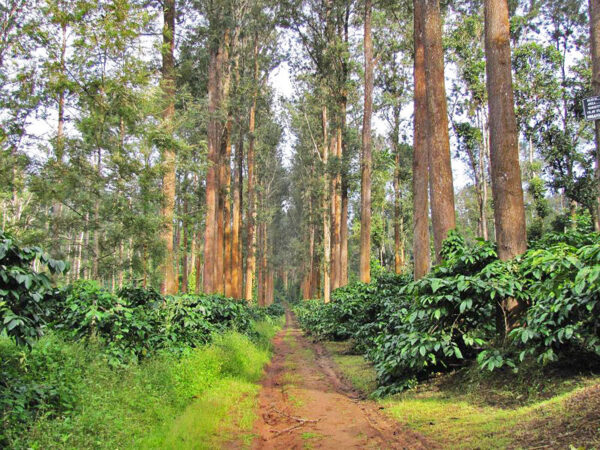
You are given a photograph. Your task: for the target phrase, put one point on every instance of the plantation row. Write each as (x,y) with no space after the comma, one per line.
(42,376)
(448,319)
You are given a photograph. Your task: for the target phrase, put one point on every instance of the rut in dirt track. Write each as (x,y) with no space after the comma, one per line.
(304,403)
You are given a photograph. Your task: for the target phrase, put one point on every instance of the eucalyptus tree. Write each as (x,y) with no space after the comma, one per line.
(437,133)
(509,209)
(420,167)
(393,80)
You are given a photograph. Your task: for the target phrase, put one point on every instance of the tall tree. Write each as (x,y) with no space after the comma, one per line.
(437,135)
(509,209)
(421,240)
(366,156)
(594,8)
(251,213)
(169,285)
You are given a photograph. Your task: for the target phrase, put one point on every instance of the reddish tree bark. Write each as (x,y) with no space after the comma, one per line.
(212,172)
(421,240)
(366,157)
(507,190)
(437,135)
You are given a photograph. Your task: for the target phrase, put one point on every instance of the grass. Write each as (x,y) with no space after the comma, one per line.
(198,400)
(354,367)
(309,438)
(469,410)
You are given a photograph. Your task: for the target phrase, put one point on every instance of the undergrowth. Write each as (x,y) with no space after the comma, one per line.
(446,320)
(145,405)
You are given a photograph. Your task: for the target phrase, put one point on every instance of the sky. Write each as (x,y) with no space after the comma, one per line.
(282,82)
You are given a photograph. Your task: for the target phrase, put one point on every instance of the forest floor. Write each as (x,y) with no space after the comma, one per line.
(314,395)
(305,403)
(548,408)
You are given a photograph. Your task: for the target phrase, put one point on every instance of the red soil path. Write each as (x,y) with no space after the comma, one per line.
(305,403)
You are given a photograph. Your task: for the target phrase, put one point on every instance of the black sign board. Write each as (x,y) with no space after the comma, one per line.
(591,108)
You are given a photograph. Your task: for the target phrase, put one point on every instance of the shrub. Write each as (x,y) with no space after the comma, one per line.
(411,329)
(26,296)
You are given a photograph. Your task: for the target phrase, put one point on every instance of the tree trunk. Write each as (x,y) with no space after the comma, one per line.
(227,227)
(325,211)
(198,261)
(398,227)
(96,261)
(594,7)
(344,180)
(251,215)
(437,136)
(366,158)
(211,253)
(263,264)
(60,140)
(236,260)
(336,211)
(421,244)
(311,251)
(507,191)
(185,259)
(169,283)
(224,168)
(398,260)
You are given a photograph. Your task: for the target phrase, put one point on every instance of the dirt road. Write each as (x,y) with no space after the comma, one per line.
(304,403)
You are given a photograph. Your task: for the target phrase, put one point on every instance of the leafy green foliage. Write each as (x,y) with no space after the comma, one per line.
(26,295)
(411,329)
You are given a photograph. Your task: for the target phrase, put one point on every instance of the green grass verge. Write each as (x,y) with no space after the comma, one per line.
(198,400)
(354,367)
(466,411)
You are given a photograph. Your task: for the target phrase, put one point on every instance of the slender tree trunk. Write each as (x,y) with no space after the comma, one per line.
(366,158)
(336,212)
(185,262)
(251,215)
(326,213)
(169,283)
(263,265)
(176,250)
(198,261)
(421,241)
(398,260)
(79,251)
(237,264)
(60,140)
(437,136)
(311,251)
(398,238)
(121,245)
(224,168)
(483,192)
(271,293)
(210,284)
(97,234)
(344,181)
(509,210)
(227,227)
(594,7)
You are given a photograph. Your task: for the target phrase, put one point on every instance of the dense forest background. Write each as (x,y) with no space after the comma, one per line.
(135,133)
